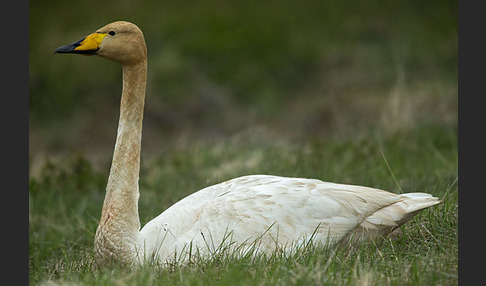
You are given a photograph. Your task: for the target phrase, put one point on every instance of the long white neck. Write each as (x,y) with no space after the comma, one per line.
(119,224)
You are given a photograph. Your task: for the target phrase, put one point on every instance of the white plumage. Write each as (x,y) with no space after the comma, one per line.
(276,212)
(258,212)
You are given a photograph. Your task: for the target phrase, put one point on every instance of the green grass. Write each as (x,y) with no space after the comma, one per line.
(66,197)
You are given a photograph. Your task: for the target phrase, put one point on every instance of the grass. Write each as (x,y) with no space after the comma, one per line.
(65,203)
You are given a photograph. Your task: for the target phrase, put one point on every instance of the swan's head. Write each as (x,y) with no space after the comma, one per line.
(120,41)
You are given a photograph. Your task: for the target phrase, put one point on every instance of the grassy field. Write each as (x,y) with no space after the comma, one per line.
(65,204)
(364,96)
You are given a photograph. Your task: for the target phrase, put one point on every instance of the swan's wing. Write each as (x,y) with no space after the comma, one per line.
(284,209)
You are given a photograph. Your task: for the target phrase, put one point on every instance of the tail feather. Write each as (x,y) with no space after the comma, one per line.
(417,201)
(388,218)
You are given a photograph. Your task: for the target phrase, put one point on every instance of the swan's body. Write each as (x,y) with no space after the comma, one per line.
(258,212)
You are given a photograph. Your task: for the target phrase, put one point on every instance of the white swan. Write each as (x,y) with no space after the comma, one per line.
(265,211)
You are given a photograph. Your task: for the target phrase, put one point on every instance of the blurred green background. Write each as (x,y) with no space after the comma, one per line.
(244,70)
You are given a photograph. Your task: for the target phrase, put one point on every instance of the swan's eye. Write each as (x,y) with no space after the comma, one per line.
(111,33)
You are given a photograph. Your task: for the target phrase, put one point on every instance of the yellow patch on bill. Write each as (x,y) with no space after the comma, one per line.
(91,42)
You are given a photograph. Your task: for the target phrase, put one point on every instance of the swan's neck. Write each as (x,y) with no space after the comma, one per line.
(119,224)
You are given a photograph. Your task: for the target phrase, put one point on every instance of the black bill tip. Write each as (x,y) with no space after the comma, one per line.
(65,49)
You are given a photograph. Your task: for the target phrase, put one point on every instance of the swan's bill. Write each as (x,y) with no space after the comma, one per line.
(88,45)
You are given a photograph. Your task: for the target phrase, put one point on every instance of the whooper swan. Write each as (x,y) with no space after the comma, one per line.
(257,212)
